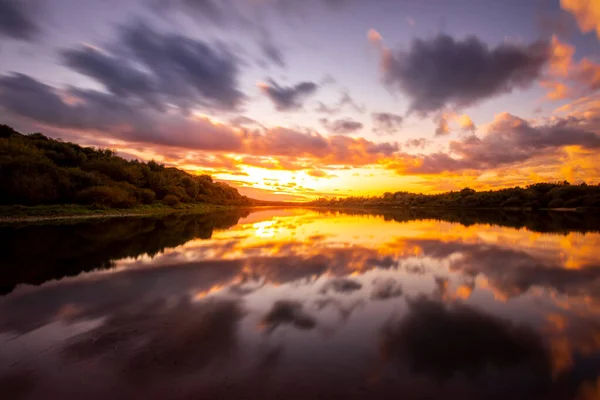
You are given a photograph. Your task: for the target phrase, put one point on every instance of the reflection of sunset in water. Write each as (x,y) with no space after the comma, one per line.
(360,295)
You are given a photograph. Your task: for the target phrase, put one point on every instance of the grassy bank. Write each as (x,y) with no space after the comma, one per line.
(71,211)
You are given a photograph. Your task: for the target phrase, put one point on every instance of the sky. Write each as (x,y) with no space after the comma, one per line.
(294,100)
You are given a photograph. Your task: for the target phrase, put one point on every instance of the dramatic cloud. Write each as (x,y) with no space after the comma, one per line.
(227,15)
(88,110)
(118,76)
(16,21)
(180,70)
(386,123)
(586,12)
(442,71)
(133,121)
(509,140)
(567,77)
(288,98)
(342,126)
(337,149)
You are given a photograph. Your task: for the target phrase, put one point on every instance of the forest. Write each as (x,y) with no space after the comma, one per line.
(37,170)
(535,196)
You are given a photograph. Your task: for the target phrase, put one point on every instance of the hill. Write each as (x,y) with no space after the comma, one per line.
(37,170)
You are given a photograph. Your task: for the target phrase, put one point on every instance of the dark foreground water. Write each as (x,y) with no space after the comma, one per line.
(300,304)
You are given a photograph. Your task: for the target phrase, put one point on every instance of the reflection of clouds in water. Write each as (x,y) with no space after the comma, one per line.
(160,340)
(341,285)
(149,327)
(384,289)
(448,342)
(288,312)
(344,310)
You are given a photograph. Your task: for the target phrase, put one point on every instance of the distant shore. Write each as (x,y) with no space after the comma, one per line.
(399,208)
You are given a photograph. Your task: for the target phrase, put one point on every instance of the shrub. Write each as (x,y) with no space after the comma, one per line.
(556,203)
(109,196)
(170,200)
(512,202)
(145,196)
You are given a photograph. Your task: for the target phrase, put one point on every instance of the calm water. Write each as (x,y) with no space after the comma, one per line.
(302,304)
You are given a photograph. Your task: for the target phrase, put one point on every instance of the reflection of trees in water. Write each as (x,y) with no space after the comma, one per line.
(36,253)
(545,222)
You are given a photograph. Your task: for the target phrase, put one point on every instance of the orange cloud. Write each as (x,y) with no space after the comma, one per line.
(466,123)
(586,12)
(567,77)
(374,36)
(557,90)
(443,128)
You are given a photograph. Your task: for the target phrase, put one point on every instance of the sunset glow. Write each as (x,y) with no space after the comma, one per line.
(298,100)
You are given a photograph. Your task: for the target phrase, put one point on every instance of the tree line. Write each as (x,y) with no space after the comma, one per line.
(38,170)
(534,196)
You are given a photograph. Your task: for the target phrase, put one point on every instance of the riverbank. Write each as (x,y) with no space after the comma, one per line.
(10,214)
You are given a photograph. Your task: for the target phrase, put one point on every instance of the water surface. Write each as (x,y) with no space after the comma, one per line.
(302,304)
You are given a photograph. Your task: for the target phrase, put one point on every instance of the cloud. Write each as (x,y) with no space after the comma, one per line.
(118,76)
(440,72)
(16,20)
(509,139)
(288,98)
(386,123)
(135,122)
(333,150)
(208,10)
(417,143)
(443,120)
(345,100)
(466,123)
(269,48)
(443,128)
(567,77)
(110,114)
(174,69)
(586,13)
(227,15)
(188,71)
(375,38)
(319,173)
(342,126)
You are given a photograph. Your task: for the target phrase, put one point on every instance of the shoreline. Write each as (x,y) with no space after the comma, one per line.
(17,214)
